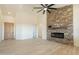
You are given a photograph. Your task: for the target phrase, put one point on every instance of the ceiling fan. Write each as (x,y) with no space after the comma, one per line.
(45,7)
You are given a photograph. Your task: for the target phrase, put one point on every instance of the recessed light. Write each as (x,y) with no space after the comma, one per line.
(9,12)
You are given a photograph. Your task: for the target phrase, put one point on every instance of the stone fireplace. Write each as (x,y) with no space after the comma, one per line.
(60,24)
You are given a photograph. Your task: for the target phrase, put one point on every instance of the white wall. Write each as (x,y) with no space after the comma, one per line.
(76,24)
(0,31)
(25,23)
(0,25)
(8,19)
(42,25)
(23,18)
(28,24)
(24,31)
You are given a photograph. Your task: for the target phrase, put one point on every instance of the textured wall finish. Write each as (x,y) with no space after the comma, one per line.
(61,20)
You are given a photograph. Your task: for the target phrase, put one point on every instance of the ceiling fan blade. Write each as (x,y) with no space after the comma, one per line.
(44,12)
(42,5)
(53,8)
(37,7)
(48,11)
(39,11)
(51,5)
(46,5)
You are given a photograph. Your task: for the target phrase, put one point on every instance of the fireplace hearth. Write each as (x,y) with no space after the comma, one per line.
(57,35)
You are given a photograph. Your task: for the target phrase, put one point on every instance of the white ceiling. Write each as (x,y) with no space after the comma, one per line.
(60,5)
(31,5)
(26,7)
(55,6)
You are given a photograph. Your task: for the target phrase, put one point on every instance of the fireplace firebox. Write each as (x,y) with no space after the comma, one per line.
(57,35)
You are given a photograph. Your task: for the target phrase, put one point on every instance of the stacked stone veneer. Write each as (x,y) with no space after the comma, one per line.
(62,19)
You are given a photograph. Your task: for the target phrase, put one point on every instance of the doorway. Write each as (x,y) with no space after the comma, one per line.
(8,31)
